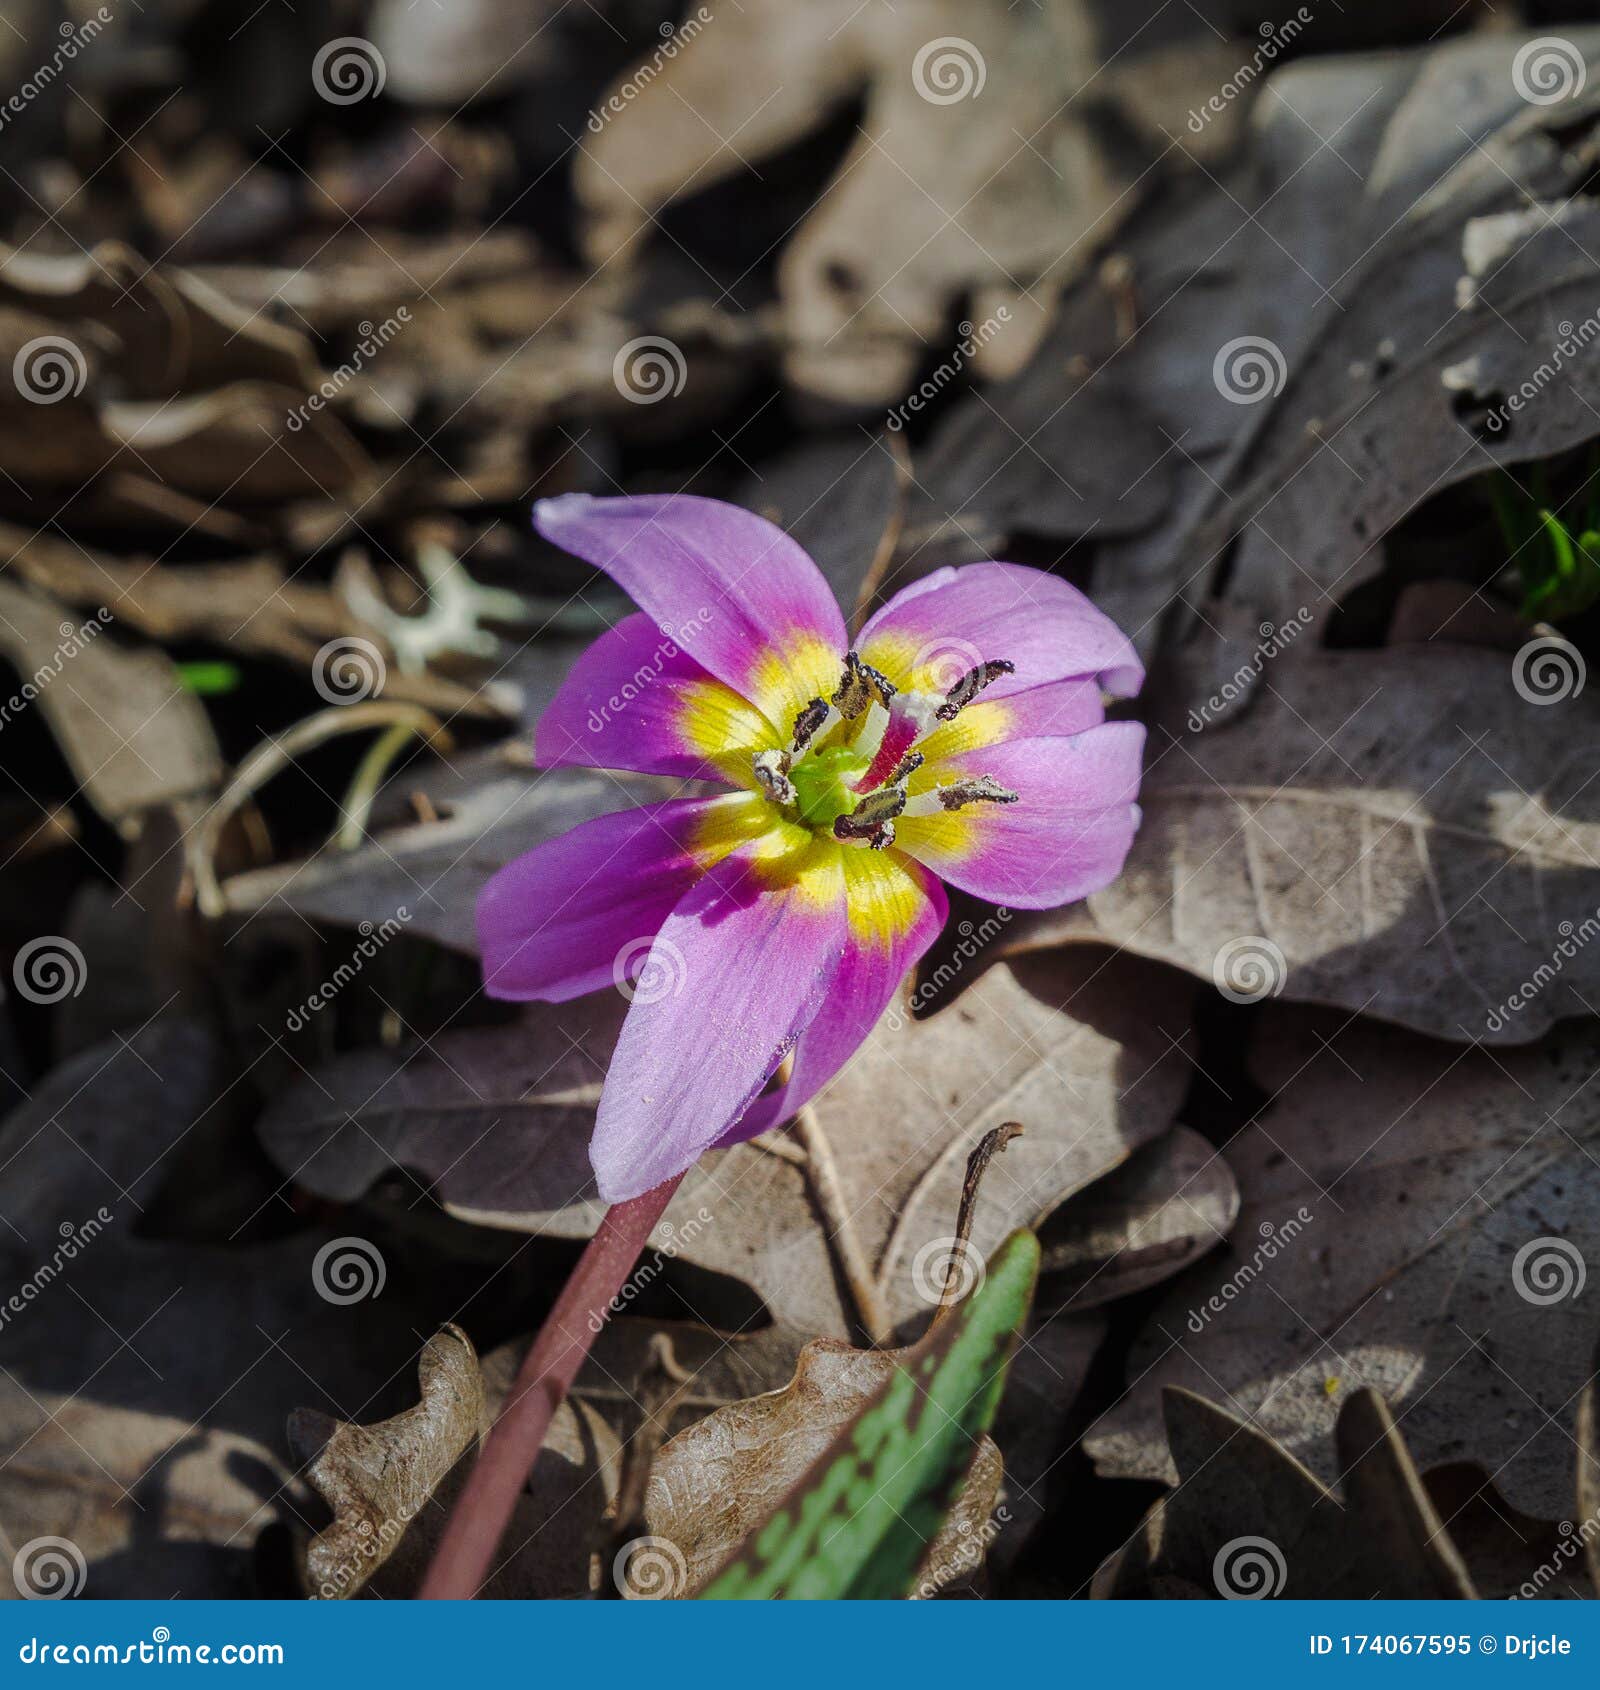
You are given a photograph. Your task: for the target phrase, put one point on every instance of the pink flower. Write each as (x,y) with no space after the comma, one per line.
(961,738)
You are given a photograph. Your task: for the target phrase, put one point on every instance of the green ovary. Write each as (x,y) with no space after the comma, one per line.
(821,784)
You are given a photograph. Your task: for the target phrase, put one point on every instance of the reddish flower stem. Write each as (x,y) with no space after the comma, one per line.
(482,1512)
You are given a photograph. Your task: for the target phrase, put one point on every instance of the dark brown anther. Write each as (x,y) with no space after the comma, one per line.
(905,768)
(859,685)
(879,682)
(981,789)
(807,722)
(854,695)
(970,685)
(873,818)
(772,776)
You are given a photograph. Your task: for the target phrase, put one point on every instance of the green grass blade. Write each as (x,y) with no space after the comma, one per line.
(858,1524)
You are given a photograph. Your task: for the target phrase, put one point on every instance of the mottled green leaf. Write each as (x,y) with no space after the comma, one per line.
(858,1523)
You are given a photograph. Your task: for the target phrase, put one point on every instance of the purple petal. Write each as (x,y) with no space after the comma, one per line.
(1067,835)
(581,911)
(896,911)
(737,972)
(726,585)
(637,700)
(936,628)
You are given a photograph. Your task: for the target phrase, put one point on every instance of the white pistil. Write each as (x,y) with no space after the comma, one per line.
(869,736)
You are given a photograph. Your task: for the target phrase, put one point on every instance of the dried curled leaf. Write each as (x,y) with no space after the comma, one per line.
(1164,1208)
(1247,1520)
(377,1479)
(129,731)
(895,241)
(1404,833)
(1415,1219)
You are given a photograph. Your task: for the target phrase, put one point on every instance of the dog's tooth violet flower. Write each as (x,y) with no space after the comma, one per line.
(962,737)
